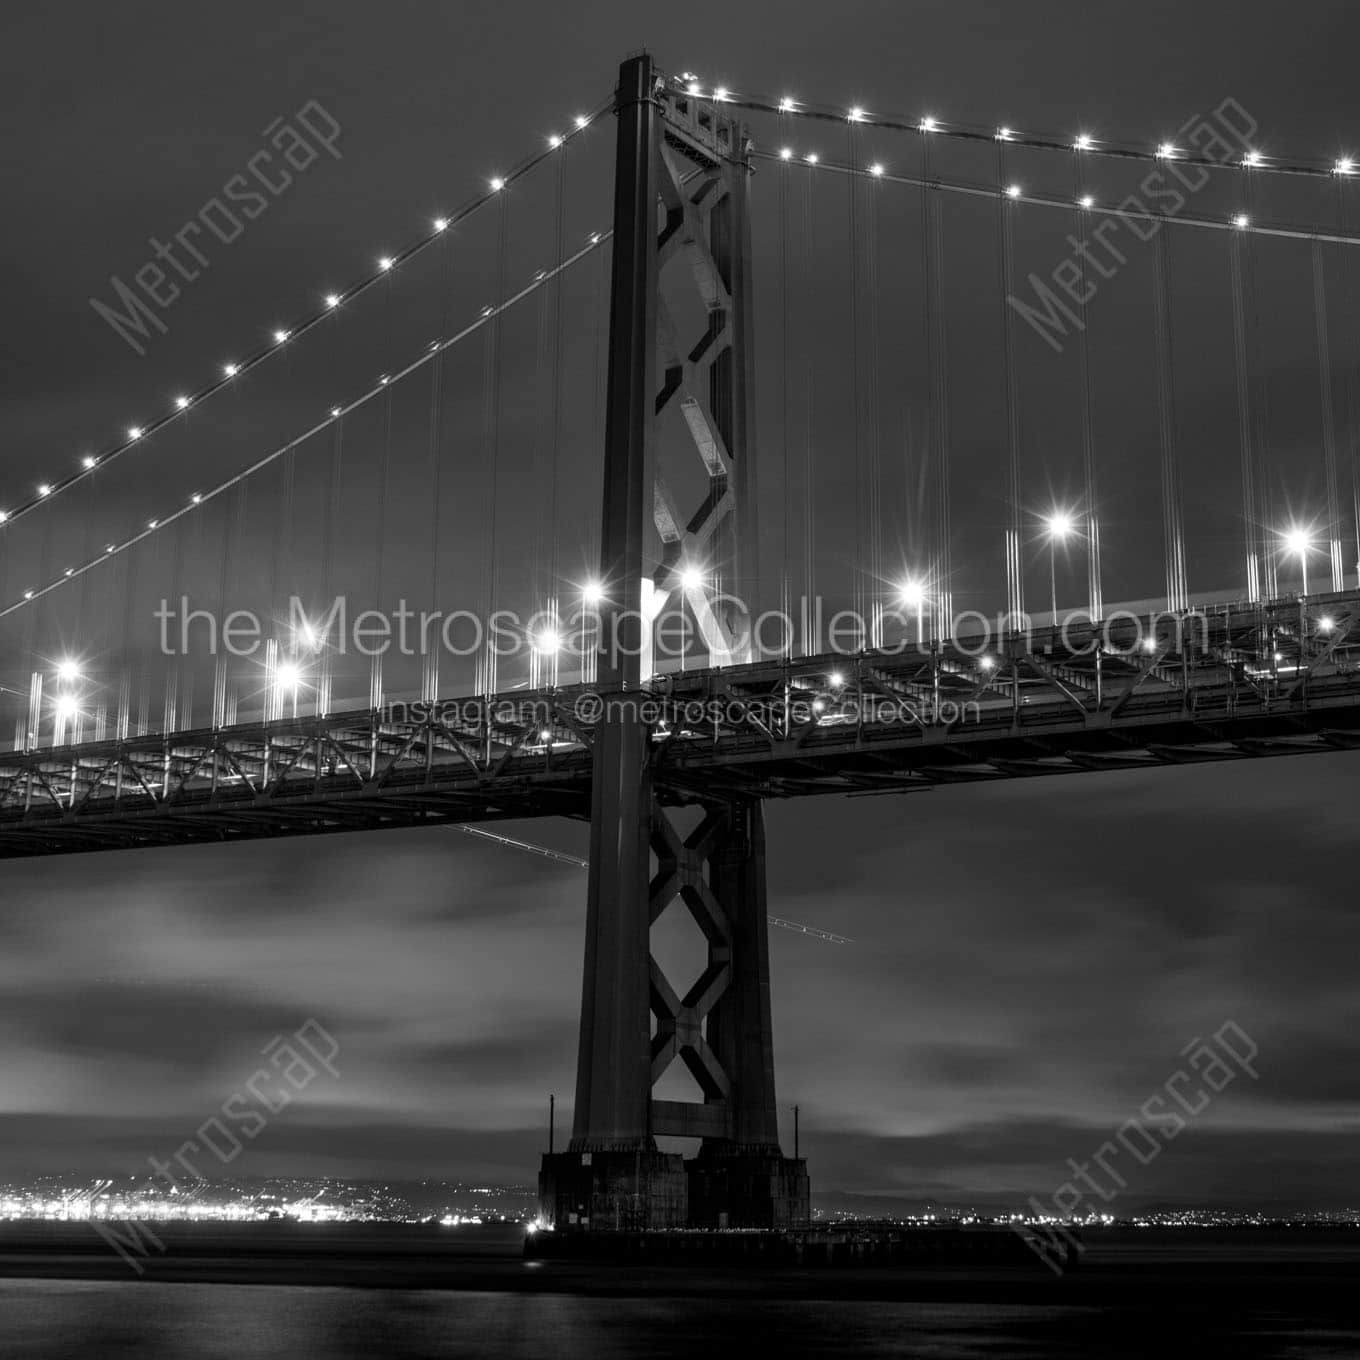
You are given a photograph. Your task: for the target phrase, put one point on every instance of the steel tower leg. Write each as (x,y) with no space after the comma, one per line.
(612,1176)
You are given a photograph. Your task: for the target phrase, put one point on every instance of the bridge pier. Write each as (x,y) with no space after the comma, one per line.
(642,859)
(612,1175)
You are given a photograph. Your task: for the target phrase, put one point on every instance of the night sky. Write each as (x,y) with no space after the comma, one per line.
(1029,957)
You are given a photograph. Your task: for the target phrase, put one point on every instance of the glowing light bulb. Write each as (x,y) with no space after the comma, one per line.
(691,578)
(152,523)
(545,735)
(812,158)
(1059,524)
(66,706)
(786,105)
(4,515)
(876,169)
(987,663)
(547,641)
(592,592)
(134,431)
(1166,151)
(195,499)
(68,671)
(88,461)
(928,124)
(785,153)
(1345,166)
(280,337)
(912,593)
(1087,201)
(335,411)
(385,263)
(290,675)
(108,547)
(1252,158)
(835,679)
(1326,623)
(1083,142)
(1298,541)
(721,93)
(230,370)
(581,120)
(497,184)
(28,594)
(181,402)
(856,115)
(1241,220)
(693,88)
(44,488)
(1013,191)
(554,141)
(1004,134)
(332,299)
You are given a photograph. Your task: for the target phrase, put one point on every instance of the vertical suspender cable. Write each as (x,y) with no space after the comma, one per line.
(555,409)
(858,510)
(1173,520)
(376,694)
(1352,376)
(1260,404)
(1094,588)
(811,611)
(430,662)
(282,570)
(492,408)
(784,597)
(938,452)
(1015,584)
(875,478)
(124,728)
(1324,357)
(330,527)
(330,517)
(87,545)
(236,534)
(177,708)
(598,374)
(1246,419)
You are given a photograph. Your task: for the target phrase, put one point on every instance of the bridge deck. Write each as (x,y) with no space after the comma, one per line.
(1233,682)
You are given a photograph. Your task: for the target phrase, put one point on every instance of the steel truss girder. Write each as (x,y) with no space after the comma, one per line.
(771,729)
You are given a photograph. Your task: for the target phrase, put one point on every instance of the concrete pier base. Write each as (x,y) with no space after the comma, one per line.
(747,1189)
(613,1191)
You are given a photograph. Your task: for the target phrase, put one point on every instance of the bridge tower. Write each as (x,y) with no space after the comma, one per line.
(681,196)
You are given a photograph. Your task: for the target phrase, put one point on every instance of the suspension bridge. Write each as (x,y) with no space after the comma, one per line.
(854,453)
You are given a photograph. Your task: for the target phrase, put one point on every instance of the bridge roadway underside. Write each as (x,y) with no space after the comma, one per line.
(1238,682)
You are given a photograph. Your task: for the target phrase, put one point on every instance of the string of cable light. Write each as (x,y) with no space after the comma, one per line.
(285,335)
(484,317)
(930,126)
(1242,222)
